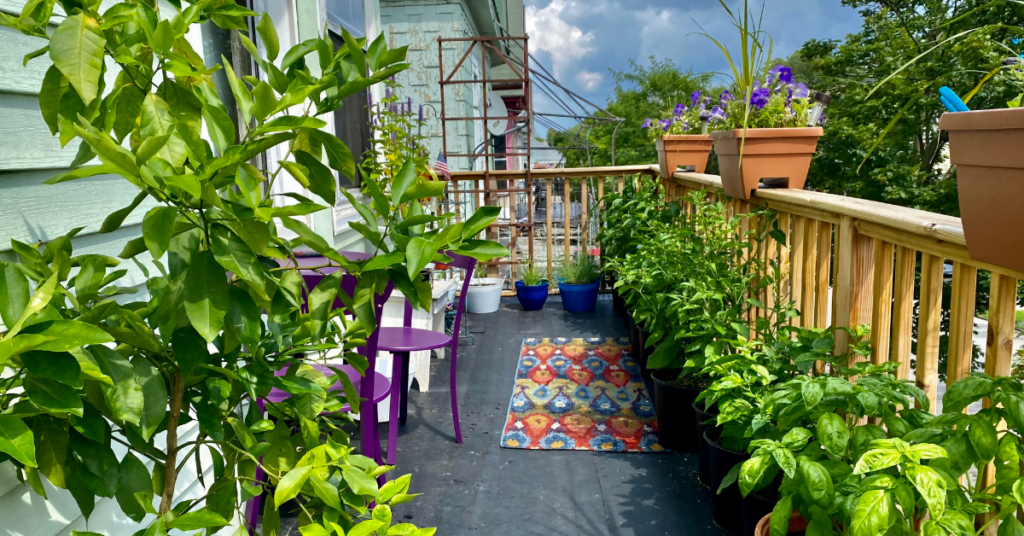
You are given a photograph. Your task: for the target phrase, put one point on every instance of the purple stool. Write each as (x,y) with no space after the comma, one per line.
(373,388)
(401,341)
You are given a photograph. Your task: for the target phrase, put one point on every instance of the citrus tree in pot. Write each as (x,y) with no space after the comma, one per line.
(682,137)
(88,371)
(772,124)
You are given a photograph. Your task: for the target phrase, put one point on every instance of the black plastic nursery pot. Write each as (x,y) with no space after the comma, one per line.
(634,337)
(755,506)
(672,402)
(618,302)
(645,354)
(728,503)
(704,421)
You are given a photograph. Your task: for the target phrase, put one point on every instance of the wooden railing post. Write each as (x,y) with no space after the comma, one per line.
(929,315)
(550,229)
(881,317)
(903,310)
(854,280)
(961,322)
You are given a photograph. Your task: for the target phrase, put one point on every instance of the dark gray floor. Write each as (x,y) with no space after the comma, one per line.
(479,488)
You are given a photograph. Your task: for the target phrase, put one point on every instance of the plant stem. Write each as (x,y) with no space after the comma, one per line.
(171,470)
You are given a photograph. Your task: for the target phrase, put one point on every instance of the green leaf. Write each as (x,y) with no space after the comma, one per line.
(360,482)
(114,220)
(109,151)
(983,438)
(326,492)
(248,179)
(242,97)
(40,298)
(872,514)
(480,219)
(51,442)
(778,524)
(812,393)
(220,127)
(290,485)
(405,178)
(235,255)
(154,394)
(268,35)
(290,122)
(81,173)
(124,396)
(338,154)
(206,295)
(482,250)
(67,334)
(16,440)
(134,479)
(423,190)
(365,528)
(964,392)
(158,119)
(876,460)
(321,179)
(200,519)
(14,293)
(264,100)
(1010,526)
(158,228)
(419,253)
(751,473)
(59,366)
(930,485)
(76,48)
(786,461)
(53,87)
(53,395)
(833,433)
(163,38)
(817,482)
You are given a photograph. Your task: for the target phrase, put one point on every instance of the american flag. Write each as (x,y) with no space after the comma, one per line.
(441,166)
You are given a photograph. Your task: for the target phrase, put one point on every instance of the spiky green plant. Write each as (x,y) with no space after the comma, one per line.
(582,269)
(531,276)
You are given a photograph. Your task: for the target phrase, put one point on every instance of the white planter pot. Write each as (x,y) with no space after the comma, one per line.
(485,297)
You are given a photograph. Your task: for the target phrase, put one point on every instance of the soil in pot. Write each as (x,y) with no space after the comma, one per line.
(704,421)
(797,525)
(673,400)
(728,502)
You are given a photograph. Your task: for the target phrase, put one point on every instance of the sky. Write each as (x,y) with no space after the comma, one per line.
(580,39)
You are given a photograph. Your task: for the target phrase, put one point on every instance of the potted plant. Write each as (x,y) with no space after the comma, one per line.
(532,288)
(484,294)
(682,137)
(772,126)
(578,283)
(983,146)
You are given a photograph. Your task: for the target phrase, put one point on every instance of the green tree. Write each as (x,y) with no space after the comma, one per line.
(641,92)
(85,368)
(908,165)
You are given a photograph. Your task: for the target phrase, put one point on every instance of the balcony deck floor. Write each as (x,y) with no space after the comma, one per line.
(480,488)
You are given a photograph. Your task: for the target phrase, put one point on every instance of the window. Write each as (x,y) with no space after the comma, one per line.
(347,14)
(352,124)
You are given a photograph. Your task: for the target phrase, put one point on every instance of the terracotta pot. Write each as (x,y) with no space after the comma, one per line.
(797,523)
(780,154)
(683,150)
(985,146)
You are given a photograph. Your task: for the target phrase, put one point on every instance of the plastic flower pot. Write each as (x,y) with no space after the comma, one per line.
(728,502)
(705,421)
(532,297)
(676,150)
(484,295)
(677,429)
(756,506)
(797,523)
(578,298)
(985,148)
(779,155)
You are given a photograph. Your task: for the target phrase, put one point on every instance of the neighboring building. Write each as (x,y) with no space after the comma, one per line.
(31,211)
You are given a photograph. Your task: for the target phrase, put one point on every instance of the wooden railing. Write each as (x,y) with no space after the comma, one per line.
(850,262)
(548,215)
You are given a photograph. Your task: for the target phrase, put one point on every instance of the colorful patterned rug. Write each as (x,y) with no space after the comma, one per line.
(580,394)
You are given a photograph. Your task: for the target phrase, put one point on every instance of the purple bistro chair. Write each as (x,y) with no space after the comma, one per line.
(401,341)
(373,388)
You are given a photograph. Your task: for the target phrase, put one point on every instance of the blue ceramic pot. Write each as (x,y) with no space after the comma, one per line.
(578,298)
(532,298)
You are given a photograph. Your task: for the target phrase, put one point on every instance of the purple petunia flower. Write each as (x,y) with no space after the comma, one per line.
(646,123)
(800,91)
(680,108)
(724,98)
(717,114)
(780,73)
(686,126)
(694,97)
(665,124)
(705,115)
(759,98)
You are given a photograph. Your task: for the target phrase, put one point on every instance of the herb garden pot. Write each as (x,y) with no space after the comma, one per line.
(672,402)
(755,507)
(780,156)
(985,146)
(729,501)
(532,297)
(676,150)
(704,421)
(645,354)
(484,295)
(579,298)
(797,523)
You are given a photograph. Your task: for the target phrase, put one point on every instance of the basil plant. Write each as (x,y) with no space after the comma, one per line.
(109,394)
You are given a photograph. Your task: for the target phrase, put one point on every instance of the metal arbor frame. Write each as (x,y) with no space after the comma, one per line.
(491,194)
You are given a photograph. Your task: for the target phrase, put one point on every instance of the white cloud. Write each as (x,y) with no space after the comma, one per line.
(566,43)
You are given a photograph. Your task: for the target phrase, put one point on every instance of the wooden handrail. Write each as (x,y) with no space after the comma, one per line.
(605,171)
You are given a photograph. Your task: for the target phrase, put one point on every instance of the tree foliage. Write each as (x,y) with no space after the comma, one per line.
(86,369)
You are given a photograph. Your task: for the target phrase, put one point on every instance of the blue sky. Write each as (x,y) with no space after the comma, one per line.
(580,39)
